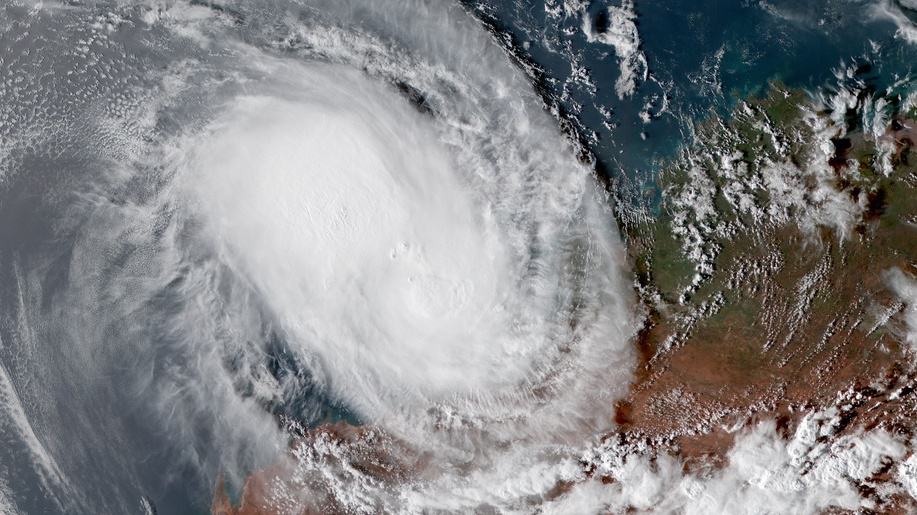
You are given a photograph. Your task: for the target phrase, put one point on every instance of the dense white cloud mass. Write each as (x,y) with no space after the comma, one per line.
(360,229)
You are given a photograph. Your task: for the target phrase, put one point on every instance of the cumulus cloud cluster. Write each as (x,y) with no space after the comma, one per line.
(622,35)
(813,470)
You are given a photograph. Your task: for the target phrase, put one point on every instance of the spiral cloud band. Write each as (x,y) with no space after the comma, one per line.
(347,206)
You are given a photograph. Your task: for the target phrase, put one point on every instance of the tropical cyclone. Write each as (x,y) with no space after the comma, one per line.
(289,211)
(379,263)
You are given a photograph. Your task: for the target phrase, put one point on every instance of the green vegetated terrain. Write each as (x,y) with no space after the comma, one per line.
(782,293)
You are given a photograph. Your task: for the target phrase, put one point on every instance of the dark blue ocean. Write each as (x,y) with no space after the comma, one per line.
(703,56)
